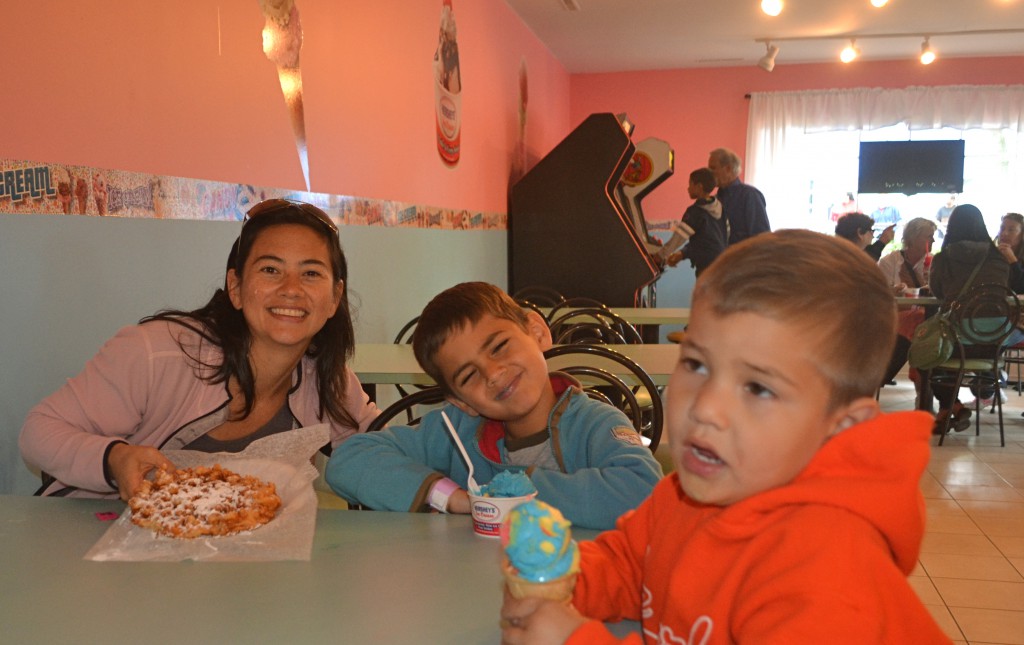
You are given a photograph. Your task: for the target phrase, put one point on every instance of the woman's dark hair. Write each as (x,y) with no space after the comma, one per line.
(965,225)
(219,323)
(852,225)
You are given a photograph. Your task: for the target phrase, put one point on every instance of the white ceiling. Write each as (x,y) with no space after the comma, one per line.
(627,35)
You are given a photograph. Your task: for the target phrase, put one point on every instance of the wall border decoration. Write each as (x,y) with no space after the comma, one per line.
(40,188)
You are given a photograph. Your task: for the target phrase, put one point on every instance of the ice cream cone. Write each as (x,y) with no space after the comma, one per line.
(282,44)
(559,589)
(291,87)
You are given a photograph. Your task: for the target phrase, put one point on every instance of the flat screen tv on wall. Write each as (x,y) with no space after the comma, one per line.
(911,167)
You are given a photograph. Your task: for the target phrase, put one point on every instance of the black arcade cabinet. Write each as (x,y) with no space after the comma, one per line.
(567,230)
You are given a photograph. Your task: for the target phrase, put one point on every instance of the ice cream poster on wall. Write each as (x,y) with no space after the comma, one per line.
(36,188)
(447,89)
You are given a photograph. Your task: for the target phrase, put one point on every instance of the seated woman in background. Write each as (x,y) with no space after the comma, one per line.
(266,354)
(858,228)
(966,246)
(906,269)
(1010,243)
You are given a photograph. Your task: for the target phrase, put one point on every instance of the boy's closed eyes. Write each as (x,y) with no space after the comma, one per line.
(497,370)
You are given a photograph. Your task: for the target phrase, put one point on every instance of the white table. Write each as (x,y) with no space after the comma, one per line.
(374,577)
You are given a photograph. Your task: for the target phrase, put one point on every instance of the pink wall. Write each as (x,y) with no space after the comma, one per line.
(157,87)
(696,110)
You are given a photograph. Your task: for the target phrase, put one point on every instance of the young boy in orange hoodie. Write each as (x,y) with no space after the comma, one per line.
(794,514)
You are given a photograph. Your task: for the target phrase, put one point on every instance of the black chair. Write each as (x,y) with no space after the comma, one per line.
(593,325)
(982,319)
(404,337)
(538,295)
(639,399)
(428,396)
(1014,355)
(577,302)
(527,304)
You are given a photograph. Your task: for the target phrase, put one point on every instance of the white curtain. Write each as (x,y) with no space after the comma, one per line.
(775,117)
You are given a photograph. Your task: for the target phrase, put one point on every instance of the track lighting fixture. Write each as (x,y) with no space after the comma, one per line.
(767,62)
(852,51)
(927,53)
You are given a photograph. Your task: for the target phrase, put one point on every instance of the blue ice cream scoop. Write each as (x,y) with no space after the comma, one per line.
(508,483)
(539,542)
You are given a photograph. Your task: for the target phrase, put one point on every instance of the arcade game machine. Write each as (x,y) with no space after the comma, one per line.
(567,230)
(652,163)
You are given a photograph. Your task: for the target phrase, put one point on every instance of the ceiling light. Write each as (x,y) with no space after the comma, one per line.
(879,3)
(850,52)
(771,7)
(927,53)
(767,62)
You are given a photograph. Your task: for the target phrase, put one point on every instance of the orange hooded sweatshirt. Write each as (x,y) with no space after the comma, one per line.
(823,559)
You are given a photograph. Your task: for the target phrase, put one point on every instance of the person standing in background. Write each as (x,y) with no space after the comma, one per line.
(702,229)
(743,206)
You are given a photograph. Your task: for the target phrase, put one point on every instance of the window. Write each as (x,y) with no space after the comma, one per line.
(803,148)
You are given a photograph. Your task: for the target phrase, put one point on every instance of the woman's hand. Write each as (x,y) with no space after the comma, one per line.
(1007,252)
(129,465)
(887,234)
(537,621)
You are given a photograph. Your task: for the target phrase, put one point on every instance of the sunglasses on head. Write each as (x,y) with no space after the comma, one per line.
(276,205)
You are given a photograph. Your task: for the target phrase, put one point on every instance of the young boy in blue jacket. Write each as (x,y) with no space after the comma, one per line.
(487,354)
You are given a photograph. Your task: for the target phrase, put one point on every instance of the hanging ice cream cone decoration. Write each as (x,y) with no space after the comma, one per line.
(282,43)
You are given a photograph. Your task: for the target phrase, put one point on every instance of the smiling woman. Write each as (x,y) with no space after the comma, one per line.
(266,354)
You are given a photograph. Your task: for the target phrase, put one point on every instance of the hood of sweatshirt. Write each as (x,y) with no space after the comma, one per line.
(966,254)
(713,207)
(872,470)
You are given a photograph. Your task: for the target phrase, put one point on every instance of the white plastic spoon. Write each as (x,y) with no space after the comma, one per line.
(473,487)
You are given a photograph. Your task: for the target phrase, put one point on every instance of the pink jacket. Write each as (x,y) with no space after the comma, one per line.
(142,388)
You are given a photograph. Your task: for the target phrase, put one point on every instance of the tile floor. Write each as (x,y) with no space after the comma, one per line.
(971,569)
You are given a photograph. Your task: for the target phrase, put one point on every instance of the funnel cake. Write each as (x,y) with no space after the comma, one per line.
(201,501)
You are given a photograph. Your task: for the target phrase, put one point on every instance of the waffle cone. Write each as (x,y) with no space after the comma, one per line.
(559,589)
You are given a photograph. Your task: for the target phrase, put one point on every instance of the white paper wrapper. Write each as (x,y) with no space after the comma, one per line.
(281,458)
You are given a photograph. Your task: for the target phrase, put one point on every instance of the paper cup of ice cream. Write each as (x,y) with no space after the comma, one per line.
(541,558)
(491,504)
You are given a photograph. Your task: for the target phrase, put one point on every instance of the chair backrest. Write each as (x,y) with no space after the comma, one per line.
(985,315)
(529,305)
(431,396)
(577,302)
(602,384)
(538,295)
(592,325)
(404,335)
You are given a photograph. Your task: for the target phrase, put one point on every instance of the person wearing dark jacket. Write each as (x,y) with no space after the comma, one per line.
(857,227)
(966,246)
(743,205)
(1010,243)
(703,229)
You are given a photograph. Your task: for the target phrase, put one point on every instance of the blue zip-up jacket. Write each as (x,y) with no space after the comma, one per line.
(605,470)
